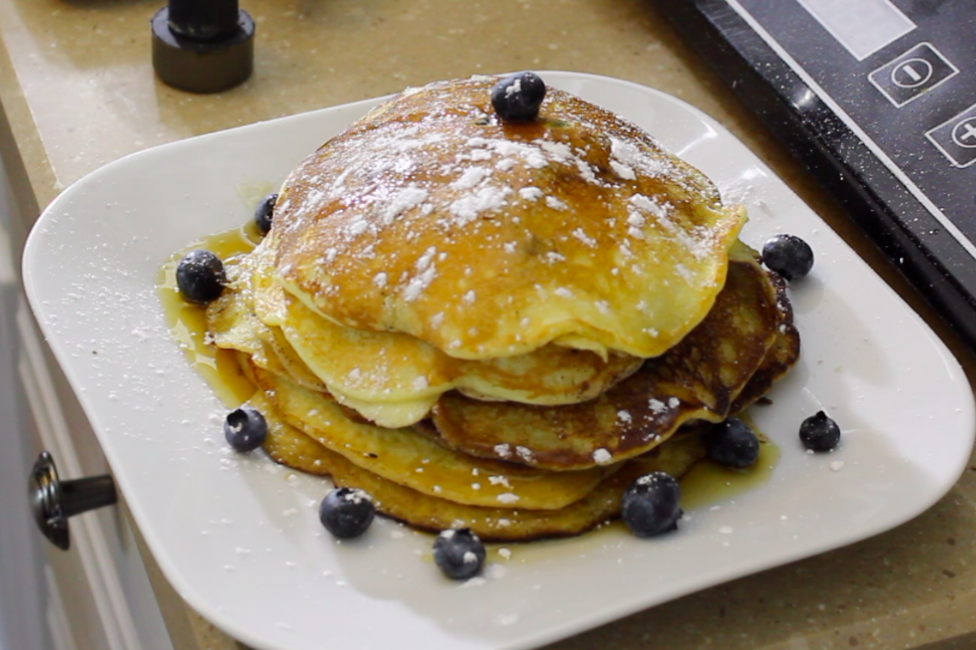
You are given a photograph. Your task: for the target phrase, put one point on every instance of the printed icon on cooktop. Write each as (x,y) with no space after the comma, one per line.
(917,71)
(956,138)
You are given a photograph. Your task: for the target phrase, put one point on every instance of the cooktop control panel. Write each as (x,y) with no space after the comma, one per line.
(878,97)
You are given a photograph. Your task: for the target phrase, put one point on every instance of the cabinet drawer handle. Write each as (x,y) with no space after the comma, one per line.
(53,501)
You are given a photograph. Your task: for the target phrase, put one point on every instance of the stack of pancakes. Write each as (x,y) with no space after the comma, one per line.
(499,326)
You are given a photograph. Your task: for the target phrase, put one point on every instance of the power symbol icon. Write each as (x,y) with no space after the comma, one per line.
(911,73)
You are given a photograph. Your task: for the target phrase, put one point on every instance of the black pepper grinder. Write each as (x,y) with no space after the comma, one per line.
(203,46)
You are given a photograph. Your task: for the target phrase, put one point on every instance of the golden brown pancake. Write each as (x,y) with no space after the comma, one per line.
(289,446)
(394,379)
(698,379)
(431,218)
(779,358)
(411,458)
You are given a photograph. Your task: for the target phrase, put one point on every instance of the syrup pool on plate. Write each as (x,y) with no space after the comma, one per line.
(708,482)
(188,325)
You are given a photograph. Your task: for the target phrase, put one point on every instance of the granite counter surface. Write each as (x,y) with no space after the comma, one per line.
(77,90)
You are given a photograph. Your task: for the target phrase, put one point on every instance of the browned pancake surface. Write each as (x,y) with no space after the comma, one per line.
(291,447)
(431,217)
(697,379)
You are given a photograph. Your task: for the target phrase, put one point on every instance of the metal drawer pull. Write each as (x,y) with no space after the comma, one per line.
(53,501)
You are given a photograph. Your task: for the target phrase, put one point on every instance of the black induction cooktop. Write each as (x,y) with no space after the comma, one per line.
(878,99)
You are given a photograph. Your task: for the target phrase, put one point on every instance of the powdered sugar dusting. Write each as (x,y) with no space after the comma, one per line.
(642,206)
(467,208)
(581,235)
(470,178)
(557,150)
(499,480)
(426,271)
(628,156)
(555,203)
(601,456)
(405,199)
(503,450)
(623,171)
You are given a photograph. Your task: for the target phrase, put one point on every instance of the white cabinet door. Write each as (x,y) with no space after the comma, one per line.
(23,593)
(96,595)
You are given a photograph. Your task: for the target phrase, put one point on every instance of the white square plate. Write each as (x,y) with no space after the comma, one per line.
(239,537)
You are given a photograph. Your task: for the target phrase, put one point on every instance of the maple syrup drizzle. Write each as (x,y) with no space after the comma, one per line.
(187,322)
(708,482)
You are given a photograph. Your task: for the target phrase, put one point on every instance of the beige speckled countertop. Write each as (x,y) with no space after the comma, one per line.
(77,91)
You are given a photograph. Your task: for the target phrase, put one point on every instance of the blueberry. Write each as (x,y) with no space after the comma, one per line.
(517,97)
(264,212)
(788,255)
(200,276)
(459,553)
(245,429)
(733,443)
(819,433)
(650,505)
(346,512)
